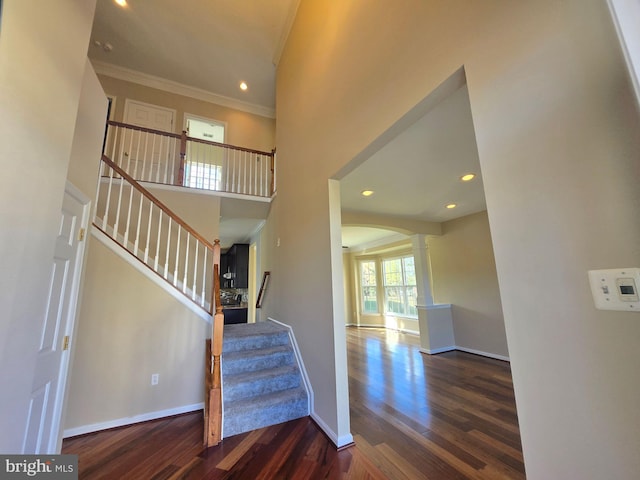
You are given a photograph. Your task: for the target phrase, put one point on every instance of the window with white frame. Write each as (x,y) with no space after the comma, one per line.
(369,286)
(203,165)
(399,284)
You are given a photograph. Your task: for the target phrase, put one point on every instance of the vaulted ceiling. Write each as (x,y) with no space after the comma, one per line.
(213,45)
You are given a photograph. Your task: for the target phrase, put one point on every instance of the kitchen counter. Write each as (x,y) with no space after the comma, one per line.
(229,307)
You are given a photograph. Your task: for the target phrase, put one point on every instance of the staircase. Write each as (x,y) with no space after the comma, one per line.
(261,380)
(259,372)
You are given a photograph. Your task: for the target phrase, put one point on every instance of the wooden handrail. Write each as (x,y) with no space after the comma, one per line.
(142,129)
(191,139)
(158,203)
(227,145)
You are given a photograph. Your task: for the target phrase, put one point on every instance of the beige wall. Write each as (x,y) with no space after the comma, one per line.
(556,130)
(243,129)
(88,136)
(129,329)
(200,211)
(464,274)
(42,63)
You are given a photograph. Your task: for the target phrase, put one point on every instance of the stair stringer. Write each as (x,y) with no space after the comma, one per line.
(303,371)
(132,260)
(338,441)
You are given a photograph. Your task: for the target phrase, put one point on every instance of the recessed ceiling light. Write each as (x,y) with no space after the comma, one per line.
(243,86)
(468,177)
(451,205)
(122,3)
(367,193)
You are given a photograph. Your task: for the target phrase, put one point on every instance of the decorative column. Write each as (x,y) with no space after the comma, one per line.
(435,321)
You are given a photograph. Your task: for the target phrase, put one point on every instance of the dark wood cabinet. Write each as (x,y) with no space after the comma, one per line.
(236,263)
(235,315)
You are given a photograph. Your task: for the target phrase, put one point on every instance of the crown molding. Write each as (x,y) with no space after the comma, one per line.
(126,74)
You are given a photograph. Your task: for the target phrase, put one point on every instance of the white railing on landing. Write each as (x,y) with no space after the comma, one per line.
(162,157)
(135,219)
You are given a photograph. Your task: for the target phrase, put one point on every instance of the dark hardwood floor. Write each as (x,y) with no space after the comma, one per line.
(445,416)
(413,416)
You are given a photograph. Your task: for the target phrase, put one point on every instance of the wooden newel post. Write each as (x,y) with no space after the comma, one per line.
(213,421)
(183,155)
(273,171)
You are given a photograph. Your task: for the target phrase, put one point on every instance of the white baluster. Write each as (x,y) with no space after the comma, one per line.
(135,169)
(146,247)
(144,158)
(166,260)
(126,230)
(175,272)
(137,242)
(195,271)
(106,209)
(159,158)
(129,154)
(204,276)
(116,225)
(173,160)
(155,263)
(166,162)
(245,167)
(186,265)
(225,184)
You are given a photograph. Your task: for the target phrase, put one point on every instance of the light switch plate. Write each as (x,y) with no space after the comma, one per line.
(616,289)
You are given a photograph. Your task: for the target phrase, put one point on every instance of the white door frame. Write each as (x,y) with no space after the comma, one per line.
(188,116)
(70,330)
(53,444)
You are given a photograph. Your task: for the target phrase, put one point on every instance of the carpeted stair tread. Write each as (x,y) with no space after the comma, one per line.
(252,360)
(261,380)
(253,336)
(251,384)
(265,410)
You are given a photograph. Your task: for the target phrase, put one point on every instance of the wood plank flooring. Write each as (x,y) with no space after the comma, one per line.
(413,416)
(445,416)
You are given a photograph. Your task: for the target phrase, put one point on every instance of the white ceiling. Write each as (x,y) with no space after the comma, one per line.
(212,45)
(417,174)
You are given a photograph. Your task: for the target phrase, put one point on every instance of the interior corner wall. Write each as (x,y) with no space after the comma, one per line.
(464,274)
(128,329)
(42,63)
(88,134)
(243,129)
(557,134)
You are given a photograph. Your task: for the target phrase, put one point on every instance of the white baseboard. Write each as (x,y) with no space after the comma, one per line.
(464,349)
(407,331)
(120,422)
(484,354)
(339,442)
(438,350)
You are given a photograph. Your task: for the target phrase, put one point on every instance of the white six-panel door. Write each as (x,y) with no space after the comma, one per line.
(42,433)
(142,157)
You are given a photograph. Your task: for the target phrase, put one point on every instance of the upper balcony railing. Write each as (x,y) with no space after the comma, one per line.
(154,156)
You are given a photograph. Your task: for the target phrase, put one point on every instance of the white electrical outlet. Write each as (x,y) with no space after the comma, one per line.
(155,378)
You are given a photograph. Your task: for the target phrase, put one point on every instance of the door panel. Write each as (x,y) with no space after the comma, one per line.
(149,157)
(45,408)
